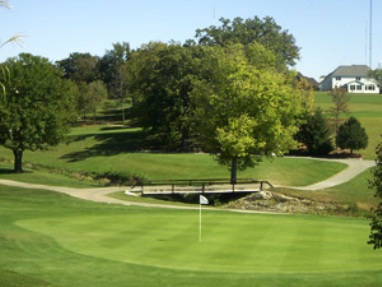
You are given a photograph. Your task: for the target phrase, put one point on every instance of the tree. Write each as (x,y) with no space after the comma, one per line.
(113,70)
(37,109)
(80,67)
(351,135)
(340,99)
(265,32)
(243,112)
(375,237)
(95,96)
(315,134)
(161,79)
(377,75)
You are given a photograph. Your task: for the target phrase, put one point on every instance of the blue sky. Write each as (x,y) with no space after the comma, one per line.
(329,32)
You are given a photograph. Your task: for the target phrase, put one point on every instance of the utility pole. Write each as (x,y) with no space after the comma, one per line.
(371,36)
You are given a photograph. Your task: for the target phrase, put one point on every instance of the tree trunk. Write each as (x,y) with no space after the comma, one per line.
(18,166)
(184,138)
(234,170)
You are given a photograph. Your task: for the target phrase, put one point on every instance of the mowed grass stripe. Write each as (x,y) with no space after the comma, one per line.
(236,243)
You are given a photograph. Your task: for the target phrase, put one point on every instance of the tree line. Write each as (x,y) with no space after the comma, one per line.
(231,91)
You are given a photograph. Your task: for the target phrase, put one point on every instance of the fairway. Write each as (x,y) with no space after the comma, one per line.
(235,243)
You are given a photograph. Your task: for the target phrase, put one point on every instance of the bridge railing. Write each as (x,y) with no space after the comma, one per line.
(195,185)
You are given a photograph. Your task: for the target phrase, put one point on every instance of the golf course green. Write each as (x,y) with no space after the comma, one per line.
(50,239)
(237,243)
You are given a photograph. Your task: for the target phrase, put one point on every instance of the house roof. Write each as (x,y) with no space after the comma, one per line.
(352,71)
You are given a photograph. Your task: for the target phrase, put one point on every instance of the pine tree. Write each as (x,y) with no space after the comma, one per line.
(351,135)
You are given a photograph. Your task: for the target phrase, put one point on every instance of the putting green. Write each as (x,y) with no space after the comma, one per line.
(236,243)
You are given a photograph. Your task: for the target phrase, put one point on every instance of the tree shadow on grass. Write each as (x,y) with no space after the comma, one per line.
(7,171)
(112,144)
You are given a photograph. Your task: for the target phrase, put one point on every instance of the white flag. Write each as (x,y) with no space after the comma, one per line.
(203,199)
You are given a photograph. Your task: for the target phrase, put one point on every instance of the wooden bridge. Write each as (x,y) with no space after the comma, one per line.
(199,186)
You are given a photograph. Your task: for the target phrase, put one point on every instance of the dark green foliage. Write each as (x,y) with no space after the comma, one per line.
(161,79)
(80,67)
(376,217)
(110,68)
(265,32)
(315,134)
(37,109)
(351,135)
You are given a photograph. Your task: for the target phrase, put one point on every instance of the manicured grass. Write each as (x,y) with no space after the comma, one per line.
(367,109)
(56,240)
(99,150)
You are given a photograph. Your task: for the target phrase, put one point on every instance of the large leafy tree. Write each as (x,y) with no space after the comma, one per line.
(351,135)
(162,89)
(37,109)
(244,112)
(265,32)
(376,217)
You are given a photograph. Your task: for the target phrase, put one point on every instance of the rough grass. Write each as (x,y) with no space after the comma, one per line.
(54,240)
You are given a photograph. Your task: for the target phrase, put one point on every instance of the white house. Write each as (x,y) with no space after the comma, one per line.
(354,78)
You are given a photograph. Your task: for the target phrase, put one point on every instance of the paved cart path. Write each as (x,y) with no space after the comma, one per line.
(355,167)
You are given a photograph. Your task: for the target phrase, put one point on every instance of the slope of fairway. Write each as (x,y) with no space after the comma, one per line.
(237,243)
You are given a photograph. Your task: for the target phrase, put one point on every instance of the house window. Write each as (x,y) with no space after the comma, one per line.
(358,78)
(370,87)
(359,88)
(352,87)
(338,78)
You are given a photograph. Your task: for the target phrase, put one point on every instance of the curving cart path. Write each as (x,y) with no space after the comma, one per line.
(355,167)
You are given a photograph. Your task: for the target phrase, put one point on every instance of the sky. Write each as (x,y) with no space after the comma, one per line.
(329,33)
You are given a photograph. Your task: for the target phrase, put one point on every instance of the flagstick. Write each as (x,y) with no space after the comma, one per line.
(200,222)
(202,200)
